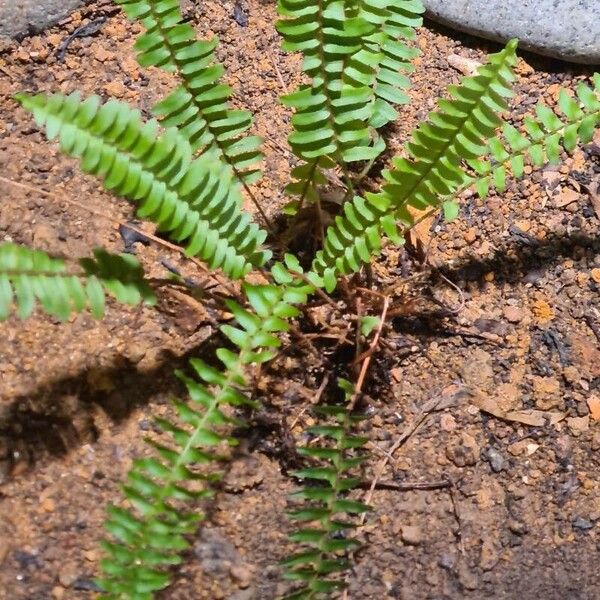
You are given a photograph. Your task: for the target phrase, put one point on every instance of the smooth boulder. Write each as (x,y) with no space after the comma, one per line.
(565,29)
(21,17)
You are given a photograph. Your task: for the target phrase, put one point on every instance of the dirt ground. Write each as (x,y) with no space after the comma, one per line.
(504,317)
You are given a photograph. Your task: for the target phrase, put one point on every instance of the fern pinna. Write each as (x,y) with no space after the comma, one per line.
(541,140)
(191,199)
(150,536)
(462,130)
(198,106)
(396,22)
(352,56)
(318,567)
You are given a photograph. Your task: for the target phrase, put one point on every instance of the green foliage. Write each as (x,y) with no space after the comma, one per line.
(198,107)
(396,21)
(327,510)
(186,178)
(432,170)
(332,113)
(352,56)
(194,200)
(29,276)
(542,140)
(150,535)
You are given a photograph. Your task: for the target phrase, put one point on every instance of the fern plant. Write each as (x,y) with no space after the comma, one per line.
(186,172)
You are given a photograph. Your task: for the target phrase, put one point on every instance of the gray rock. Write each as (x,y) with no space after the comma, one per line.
(565,29)
(18,17)
(582,523)
(495,459)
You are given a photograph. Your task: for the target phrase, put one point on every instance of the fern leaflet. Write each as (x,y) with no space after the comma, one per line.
(397,21)
(198,107)
(148,537)
(27,276)
(458,130)
(319,565)
(541,141)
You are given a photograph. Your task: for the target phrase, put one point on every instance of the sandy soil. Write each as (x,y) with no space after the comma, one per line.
(520,518)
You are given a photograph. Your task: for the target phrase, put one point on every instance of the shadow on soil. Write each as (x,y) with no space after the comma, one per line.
(60,416)
(64,413)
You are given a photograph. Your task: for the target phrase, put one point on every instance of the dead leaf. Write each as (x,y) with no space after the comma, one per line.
(535,418)
(419,236)
(579,160)
(565,197)
(466,66)
(551,178)
(450,396)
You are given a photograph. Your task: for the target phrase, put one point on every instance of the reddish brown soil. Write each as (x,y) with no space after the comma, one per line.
(521,518)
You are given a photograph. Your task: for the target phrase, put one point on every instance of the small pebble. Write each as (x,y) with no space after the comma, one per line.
(68,574)
(464,453)
(495,459)
(446,561)
(58,592)
(447,422)
(241,574)
(412,535)
(513,314)
(582,524)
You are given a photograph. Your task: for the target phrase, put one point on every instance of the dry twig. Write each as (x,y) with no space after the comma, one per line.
(367,355)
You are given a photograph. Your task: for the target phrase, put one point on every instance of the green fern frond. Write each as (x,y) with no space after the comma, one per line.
(29,276)
(397,21)
(354,55)
(149,537)
(198,107)
(541,141)
(321,562)
(458,131)
(195,200)
(332,113)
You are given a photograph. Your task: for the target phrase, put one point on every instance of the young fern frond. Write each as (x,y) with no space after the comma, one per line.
(196,201)
(31,276)
(148,537)
(198,107)
(458,131)
(332,111)
(353,56)
(396,21)
(541,141)
(320,565)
